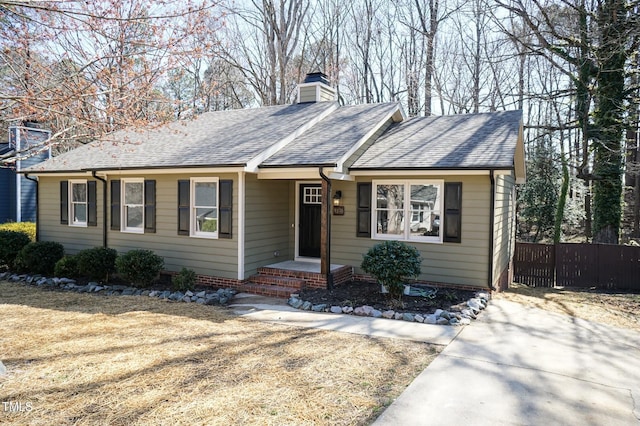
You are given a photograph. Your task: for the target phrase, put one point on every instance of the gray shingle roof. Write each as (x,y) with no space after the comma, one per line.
(326,142)
(486,140)
(221,138)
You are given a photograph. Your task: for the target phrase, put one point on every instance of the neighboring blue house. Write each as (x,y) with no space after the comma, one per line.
(17,192)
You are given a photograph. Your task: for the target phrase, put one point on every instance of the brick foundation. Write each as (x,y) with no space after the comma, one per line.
(273,281)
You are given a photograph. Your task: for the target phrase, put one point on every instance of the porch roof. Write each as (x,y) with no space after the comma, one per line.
(329,140)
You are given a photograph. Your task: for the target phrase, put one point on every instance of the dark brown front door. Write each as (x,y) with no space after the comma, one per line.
(309,226)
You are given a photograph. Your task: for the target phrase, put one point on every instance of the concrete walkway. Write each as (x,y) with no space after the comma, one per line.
(277,311)
(524,366)
(513,366)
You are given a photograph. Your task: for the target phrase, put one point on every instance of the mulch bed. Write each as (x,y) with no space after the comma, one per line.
(359,293)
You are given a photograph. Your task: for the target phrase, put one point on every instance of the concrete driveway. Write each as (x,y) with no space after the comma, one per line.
(525,366)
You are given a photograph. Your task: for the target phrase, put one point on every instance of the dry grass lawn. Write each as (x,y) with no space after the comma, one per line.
(81,359)
(617,309)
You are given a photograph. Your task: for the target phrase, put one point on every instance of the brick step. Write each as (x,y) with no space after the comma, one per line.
(269,290)
(265,279)
(275,272)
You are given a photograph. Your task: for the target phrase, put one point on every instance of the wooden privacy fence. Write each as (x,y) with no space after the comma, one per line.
(603,266)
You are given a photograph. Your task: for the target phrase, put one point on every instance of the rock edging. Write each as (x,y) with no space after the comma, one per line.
(218,297)
(462,315)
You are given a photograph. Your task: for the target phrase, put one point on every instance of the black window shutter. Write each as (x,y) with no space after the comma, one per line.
(452,212)
(149,206)
(64,202)
(92,205)
(364,210)
(226,209)
(115,205)
(184,187)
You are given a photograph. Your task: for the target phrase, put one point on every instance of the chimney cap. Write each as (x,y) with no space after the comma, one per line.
(317,77)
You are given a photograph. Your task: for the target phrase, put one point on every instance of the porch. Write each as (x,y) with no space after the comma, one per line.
(285,278)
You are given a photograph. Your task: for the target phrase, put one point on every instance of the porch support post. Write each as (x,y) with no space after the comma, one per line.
(325,230)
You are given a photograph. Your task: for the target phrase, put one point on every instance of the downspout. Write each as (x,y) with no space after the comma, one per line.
(325,267)
(26,175)
(492,219)
(104,207)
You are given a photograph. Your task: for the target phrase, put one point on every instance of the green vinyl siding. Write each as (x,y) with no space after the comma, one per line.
(206,256)
(217,257)
(267,223)
(503,225)
(462,263)
(74,238)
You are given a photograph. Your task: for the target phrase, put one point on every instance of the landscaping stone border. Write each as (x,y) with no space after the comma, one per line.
(219,297)
(461,315)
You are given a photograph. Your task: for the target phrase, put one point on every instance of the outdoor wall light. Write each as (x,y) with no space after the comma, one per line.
(337,197)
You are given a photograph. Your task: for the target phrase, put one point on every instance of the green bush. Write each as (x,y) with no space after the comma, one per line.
(67,267)
(11,242)
(184,280)
(97,263)
(28,228)
(140,267)
(40,257)
(391,263)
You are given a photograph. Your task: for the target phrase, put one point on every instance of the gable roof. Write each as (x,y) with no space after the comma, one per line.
(220,138)
(332,138)
(307,135)
(470,141)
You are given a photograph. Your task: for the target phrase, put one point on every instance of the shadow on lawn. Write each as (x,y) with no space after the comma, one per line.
(22,294)
(230,355)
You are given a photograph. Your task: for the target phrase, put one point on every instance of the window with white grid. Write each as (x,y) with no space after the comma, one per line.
(313,195)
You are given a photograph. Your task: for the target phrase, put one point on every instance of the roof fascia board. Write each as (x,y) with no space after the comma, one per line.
(427,172)
(53,173)
(156,171)
(292,173)
(519,162)
(396,115)
(173,171)
(252,165)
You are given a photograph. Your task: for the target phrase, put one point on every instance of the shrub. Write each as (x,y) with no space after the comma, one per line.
(184,280)
(67,267)
(41,257)
(140,267)
(11,242)
(97,263)
(28,228)
(391,263)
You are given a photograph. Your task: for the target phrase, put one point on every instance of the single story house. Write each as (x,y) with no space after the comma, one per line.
(271,198)
(17,192)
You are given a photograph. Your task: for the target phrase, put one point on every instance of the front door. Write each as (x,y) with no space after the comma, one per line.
(309,217)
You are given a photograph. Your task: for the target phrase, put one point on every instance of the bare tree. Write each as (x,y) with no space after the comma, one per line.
(85,69)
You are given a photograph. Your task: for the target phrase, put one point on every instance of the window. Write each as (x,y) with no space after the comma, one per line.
(407,210)
(133,205)
(313,195)
(204,207)
(78,206)
(78,203)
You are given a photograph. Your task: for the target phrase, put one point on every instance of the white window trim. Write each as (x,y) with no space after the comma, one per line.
(123,207)
(72,222)
(192,207)
(406,235)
